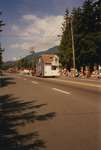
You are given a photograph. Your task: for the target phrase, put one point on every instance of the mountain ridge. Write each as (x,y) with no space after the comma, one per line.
(53,50)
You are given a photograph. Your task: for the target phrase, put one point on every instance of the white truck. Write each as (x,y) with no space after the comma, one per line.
(48,66)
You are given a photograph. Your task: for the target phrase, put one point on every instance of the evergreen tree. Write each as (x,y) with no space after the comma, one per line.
(24,63)
(87,33)
(1,50)
(65,48)
(77,28)
(97,35)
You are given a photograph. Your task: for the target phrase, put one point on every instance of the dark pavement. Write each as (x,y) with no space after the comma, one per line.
(67,114)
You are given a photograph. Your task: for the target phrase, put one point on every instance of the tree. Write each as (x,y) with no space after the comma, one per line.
(77,28)
(87,33)
(97,35)
(33,59)
(1,50)
(65,48)
(24,63)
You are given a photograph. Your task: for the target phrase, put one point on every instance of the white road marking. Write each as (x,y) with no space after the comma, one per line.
(34,82)
(59,90)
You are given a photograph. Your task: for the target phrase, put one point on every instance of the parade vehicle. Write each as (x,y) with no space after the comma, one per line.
(48,66)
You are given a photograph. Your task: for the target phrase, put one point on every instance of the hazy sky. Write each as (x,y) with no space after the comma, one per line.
(32,23)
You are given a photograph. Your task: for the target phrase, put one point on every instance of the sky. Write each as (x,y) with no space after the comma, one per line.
(32,25)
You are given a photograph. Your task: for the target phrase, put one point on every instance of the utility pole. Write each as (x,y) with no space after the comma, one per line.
(72,36)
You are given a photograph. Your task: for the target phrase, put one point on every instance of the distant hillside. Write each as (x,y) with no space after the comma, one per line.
(8,64)
(53,50)
(30,57)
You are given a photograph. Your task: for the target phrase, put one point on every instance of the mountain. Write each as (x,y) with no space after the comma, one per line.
(29,58)
(8,64)
(53,50)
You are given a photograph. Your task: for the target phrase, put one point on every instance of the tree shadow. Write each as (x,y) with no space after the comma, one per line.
(15,114)
(5,81)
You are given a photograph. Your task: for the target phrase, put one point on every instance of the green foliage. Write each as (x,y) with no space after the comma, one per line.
(65,48)
(9,64)
(24,63)
(33,57)
(87,35)
(1,50)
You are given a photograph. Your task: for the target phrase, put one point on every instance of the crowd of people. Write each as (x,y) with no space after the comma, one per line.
(84,72)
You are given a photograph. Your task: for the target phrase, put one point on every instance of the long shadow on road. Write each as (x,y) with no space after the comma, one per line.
(15,114)
(5,81)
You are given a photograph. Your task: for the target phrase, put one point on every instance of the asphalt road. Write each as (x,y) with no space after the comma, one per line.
(67,114)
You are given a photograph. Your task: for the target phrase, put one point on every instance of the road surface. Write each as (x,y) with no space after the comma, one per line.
(67,114)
